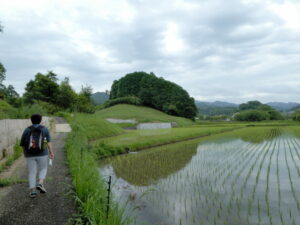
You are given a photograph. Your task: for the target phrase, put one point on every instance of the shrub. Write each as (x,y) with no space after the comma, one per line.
(5,109)
(296,115)
(252,115)
(132,100)
(26,111)
(275,115)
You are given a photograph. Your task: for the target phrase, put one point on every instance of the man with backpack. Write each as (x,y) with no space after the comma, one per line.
(36,142)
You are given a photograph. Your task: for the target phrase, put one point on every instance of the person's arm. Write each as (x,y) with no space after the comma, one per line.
(22,141)
(49,144)
(50,149)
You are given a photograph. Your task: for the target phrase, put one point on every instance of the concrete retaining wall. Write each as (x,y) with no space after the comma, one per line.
(11,130)
(151,126)
(121,120)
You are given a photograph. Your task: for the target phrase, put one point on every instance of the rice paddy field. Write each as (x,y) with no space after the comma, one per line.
(247,176)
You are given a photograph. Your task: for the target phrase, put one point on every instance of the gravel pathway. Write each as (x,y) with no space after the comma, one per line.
(53,208)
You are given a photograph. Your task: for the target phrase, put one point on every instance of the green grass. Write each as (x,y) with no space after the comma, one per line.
(10,181)
(139,139)
(294,129)
(249,124)
(11,158)
(95,126)
(141,114)
(90,188)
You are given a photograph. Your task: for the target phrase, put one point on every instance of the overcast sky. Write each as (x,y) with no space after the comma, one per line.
(227,50)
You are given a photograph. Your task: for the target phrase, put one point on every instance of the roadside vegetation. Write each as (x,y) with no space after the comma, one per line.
(9,159)
(91,189)
(10,181)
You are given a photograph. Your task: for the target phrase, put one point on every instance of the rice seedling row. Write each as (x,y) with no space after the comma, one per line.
(230,181)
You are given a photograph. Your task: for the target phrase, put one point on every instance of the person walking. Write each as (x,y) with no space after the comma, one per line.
(37,146)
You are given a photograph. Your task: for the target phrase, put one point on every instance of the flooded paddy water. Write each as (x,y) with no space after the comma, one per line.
(251,176)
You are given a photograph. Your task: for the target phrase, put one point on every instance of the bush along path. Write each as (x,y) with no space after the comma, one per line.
(56,207)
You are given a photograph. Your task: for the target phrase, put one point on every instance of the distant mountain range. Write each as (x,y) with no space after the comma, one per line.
(282,106)
(99,97)
(215,104)
(227,108)
(212,107)
(216,108)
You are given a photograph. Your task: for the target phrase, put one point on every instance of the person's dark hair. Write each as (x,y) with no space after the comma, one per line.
(36,118)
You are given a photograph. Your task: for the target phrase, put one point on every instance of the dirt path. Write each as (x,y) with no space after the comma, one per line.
(54,208)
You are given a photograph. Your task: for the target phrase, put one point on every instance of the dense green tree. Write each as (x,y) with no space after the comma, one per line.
(252,115)
(42,88)
(256,111)
(11,96)
(155,92)
(66,97)
(296,115)
(2,73)
(83,100)
(250,105)
(264,107)
(123,100)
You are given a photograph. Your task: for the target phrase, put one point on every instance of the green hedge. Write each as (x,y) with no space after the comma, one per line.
(123,100)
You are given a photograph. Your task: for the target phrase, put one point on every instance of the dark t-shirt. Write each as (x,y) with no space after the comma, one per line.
(26,134)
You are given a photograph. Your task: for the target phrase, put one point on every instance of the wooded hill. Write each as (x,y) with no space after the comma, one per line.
(149,90)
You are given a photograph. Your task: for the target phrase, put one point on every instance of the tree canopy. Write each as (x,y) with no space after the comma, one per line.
(42,88)
(256,111)
(45,89)
(66,97)
(249,105)
(296,115)
(156,93)
(2,73)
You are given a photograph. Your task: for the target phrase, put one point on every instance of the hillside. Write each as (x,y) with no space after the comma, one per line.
(216,108)
(282,106)
(215,104)
(141,114)
(155,92)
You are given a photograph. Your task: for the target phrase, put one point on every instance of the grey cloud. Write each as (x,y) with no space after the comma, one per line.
(234,49)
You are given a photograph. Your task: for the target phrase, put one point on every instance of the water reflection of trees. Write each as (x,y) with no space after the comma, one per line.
(257,135)
(147,167)
(254,135)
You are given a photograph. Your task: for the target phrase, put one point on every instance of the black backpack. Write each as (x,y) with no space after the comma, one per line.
(34,140)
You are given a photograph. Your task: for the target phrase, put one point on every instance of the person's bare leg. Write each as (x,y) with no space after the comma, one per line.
(41,181)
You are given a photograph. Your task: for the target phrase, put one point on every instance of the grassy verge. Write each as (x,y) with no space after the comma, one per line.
(249,124)
(134,140)
(90,188)
(10,159)
(10,181)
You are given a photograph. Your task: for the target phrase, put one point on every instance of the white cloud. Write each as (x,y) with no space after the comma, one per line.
(289,12)
(172,41)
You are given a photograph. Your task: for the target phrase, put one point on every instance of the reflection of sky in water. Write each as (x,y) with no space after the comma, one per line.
(225,181)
